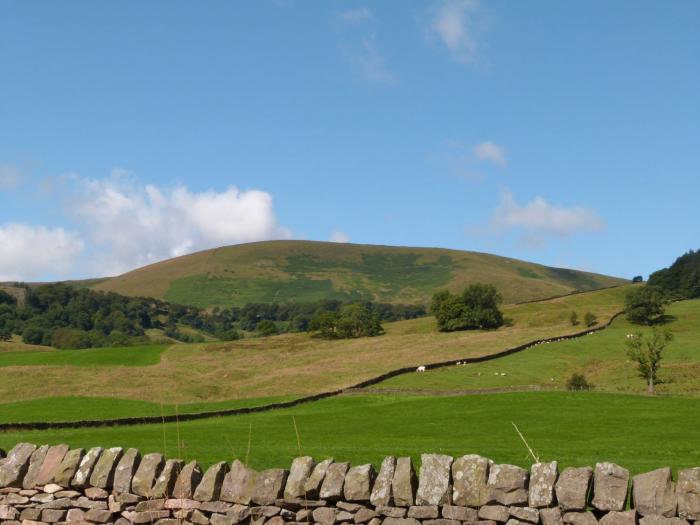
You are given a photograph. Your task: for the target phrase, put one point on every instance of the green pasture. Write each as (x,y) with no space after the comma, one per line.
(143,355)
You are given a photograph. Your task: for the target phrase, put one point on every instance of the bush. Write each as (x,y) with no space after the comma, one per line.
(267,327)
(577,383)
(573,318)
(645,305)
(590,319)
(34,335)
(475,308)
(5,334)
(228,335)
(353,320)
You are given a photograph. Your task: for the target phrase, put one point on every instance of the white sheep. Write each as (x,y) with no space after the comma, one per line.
(421,368)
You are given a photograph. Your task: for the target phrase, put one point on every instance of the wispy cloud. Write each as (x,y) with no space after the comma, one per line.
(491,152)
(458,24)
(369,61)
(10,176)
(339,236)
(356,16)
(538,220)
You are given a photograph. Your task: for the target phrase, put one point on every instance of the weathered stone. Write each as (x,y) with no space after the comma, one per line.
(325,515)
(198,517)
(507,485)
(122,521)
(434,486)
(181,503)
(572,488)
(391,512)
(277,520)
(28,522)
(688,490)
(165,482)
(350,507)
(551,516)
(150,504)
(148,517)
(127,498)
(513,521)
(15,465)
(31,513)
(343,516)
(265,510)
(361,516)
(441,521)
(239,512)
(146,474)
(87,503)
(18,499)
(33,492)
(187,481)
(52,515)
(8,513)
(655,519)
(67,494)
(456,512)
(469,477)
(62,503)
(103,473)
(209,488)
(222,519)
(296,504)
(113,505)
(96,493)
(527,514)
(68,467)
(332,486)
(303,515)
(87,463)
(125,470)
(238,484)
(401,521)
(404,484)
(312,486)
(168,521)
(215,506)
(299,474)
(39,498)
(497,513)
(50,488)
(269,486)
(579,518)
(610,483)
(358,483)
(619,518)
(75,515)
(654,493)
(423,512)
(52,461)
(543,476)
(35,462)
(381,492)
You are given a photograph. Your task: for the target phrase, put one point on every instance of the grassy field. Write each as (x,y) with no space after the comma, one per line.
(290,364)
(600,357)
(309,271)
(130,356)
(638,432)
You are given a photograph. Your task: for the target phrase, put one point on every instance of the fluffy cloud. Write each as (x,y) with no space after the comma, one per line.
(457,23)
(36,252)
(10,176)
(339,236)
(131,225)
(490,152)
(539,219)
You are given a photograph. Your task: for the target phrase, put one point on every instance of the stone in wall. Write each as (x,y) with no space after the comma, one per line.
(312,486)
(579,518)
(239,484)
(87,463)
(381,492)
(405,483)
(572,488)
(688,490)
(543,476)
(332,487)
(654,493)
(68,467)
(610,484)
(358,483)
(35,462)
(655,519)
(52,461)
(102,475)
(15,465)
(210,486)
(125,470)
(187,481)
(470,475)
(551,516)
(628,517)
(165,482)
(299,473)
(146,474)
(269,486)
(507,485)
(434,487)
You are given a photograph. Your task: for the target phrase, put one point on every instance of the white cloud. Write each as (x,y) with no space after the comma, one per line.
(457,24)
(369,61)
(37,252)
(132,225)
(538,219)
(10,177)
(491,152)
(339,236)
(356,16)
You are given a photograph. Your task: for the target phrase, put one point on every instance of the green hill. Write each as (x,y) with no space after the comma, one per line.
(309,271)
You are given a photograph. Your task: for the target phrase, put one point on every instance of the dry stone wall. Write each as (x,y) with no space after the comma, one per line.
(58,485)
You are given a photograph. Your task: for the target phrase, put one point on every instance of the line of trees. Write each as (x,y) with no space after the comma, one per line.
(474,308)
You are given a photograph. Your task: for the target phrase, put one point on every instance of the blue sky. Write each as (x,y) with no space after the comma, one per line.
(557,132)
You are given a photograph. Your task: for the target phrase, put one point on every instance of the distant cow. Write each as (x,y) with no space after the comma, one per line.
(420,369)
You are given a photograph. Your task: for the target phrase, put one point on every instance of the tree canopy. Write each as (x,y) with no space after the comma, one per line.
(682,279)
(645,305)
(475,308)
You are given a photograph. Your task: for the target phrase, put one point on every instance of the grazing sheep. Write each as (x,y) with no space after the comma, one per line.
(420,369)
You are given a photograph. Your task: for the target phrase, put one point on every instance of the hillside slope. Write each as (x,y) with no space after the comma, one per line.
(309,271)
